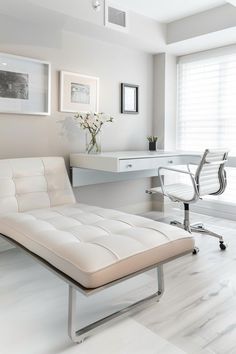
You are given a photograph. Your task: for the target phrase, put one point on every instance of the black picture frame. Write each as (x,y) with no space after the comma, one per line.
(125,100)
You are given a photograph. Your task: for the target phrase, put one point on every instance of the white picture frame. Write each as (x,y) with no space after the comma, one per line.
(78,92)
(25,85)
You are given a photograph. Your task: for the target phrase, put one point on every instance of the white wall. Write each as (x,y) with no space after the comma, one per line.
(22,135)
(164,123)
(165,86)
(159,98)
(170,102)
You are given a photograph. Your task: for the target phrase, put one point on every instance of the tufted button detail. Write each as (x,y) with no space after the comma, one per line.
(92,245)
(34,183)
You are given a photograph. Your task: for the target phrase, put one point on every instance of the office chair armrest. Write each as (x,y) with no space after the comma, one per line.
(189,173)
(175,170)
(221,162)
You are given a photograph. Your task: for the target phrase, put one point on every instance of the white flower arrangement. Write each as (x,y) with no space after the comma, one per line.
(93,122)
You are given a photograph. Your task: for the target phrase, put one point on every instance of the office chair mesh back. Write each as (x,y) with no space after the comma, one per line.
(210,175)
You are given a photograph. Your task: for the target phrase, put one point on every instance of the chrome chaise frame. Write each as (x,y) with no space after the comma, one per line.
(78,336)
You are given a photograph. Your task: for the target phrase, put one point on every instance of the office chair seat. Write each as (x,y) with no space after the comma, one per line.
(176,191)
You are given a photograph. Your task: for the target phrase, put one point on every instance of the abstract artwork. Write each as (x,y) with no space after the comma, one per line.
(14,85)
(78,93)
(24,85)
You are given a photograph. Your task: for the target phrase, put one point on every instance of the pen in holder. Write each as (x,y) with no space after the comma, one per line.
(152,142)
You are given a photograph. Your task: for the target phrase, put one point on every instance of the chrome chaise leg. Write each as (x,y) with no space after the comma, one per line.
(78,336)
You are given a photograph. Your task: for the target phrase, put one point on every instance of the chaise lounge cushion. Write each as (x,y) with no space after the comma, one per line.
(95,246)
(33,183)
(92,245)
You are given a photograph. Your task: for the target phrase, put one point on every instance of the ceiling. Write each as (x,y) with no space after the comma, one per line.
(163,11)
(51,18)
(169,10)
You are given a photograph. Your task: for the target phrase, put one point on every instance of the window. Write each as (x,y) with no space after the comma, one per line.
(207,108)
(207,103)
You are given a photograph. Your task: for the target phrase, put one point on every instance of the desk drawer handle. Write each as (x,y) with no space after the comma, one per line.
(129,165)
(170,161)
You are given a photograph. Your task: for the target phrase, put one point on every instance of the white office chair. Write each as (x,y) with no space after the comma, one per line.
(209,179)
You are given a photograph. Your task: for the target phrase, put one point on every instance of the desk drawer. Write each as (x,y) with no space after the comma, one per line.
(147,163)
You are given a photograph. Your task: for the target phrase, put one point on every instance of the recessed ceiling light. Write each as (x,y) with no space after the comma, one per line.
(232,2)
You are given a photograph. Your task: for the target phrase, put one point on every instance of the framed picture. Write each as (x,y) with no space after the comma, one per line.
(129,99)
(25,85)
(78,93)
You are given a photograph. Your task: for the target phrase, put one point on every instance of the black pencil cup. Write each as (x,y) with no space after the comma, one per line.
(152,146)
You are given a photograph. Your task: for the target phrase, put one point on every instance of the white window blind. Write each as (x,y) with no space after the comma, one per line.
(207,103)
(207,108)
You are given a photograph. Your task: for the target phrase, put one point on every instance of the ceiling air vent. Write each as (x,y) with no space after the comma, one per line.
(115,17)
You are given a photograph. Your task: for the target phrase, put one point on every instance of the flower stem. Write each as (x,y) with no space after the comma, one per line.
(93,142)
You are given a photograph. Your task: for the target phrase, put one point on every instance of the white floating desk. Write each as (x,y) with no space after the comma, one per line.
(123,165)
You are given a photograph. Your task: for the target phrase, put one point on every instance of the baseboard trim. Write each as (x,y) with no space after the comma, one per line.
(217,209)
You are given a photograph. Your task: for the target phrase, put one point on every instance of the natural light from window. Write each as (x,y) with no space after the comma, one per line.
(207,104)
(207,108)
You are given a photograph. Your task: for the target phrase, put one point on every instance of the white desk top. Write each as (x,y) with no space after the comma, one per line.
(122,161)
(120,155)
(126,165)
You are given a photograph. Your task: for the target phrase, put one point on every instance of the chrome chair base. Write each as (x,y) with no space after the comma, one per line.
(199,228)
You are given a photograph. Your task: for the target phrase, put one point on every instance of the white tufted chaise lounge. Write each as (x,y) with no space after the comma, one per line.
(89,247)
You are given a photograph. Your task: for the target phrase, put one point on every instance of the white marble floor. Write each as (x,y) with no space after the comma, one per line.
(197,313)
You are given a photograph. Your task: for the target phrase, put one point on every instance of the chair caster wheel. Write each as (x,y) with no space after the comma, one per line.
(195,250)
(222,246)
